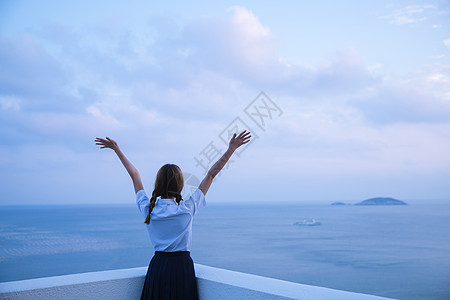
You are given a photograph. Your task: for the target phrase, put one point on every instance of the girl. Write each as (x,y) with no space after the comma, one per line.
(171,272)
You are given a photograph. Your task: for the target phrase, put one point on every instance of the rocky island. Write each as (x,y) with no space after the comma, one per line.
(381,201)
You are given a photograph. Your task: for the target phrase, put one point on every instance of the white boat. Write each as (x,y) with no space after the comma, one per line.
(307,222)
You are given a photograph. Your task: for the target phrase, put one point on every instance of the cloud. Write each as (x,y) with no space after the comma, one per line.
(168,87)
(239,45)
(392,104)
(199,60)
(347,73)
(119,80)
(32,75)
(409,15)
(447,43)
(242,48)
(438,56)
(192,71)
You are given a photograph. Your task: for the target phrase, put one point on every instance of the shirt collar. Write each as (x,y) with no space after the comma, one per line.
(166,201)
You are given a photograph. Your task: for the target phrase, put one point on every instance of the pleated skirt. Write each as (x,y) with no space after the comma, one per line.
(170,276)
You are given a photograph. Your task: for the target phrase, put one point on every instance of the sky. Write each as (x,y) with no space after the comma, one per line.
(346,100)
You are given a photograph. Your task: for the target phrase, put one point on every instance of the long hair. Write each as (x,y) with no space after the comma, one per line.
(168,184)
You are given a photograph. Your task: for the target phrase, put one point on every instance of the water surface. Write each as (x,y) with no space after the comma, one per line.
(394,251)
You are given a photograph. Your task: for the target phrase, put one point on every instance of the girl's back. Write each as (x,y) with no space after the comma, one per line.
(171,273)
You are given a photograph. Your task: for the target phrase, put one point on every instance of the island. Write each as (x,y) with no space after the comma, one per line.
(381,201)
(338,203)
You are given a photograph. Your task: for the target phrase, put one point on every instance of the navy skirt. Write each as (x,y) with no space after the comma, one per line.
(170,275)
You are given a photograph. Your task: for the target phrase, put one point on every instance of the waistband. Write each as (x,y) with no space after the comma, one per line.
(174,253)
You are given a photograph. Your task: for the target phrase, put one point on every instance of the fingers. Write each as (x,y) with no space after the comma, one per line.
(102,142)
(245,135)
(242,133)
(239,140)
(245,141)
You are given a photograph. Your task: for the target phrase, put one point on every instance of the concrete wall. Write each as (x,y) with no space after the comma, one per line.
(127,284)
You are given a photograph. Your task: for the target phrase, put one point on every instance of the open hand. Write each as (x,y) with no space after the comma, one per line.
(241,139)
(107,143)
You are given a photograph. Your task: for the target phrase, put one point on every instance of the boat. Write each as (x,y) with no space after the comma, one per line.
(307,222)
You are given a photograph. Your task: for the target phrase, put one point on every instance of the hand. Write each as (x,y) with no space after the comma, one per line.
(108,143)
(241,139)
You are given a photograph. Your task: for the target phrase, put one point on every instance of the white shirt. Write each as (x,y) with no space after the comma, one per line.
(170,227)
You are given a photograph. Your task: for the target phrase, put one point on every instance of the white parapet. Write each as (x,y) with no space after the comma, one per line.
(213,283)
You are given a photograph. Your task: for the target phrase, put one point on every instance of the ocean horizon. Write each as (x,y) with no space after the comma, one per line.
(400,252)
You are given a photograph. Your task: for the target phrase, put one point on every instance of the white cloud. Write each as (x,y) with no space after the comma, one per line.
(9,103)
(174,86)
(103,117)
(409,14)
(249,24)
(333,140)
(30,72)
(447,43)
(238,46)
(438,56)
(190,72)
(433,79)
(397,105)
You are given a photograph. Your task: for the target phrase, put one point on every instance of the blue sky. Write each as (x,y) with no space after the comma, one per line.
(363,88)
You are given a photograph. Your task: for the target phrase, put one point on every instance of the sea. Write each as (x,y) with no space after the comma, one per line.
(402,252)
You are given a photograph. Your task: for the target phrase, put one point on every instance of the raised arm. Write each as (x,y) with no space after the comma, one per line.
(112,144)
(235,142)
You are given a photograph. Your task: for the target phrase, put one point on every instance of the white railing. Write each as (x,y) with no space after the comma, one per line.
(213,283)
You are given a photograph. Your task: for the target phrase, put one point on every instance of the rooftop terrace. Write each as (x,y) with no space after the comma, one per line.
(213,283)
